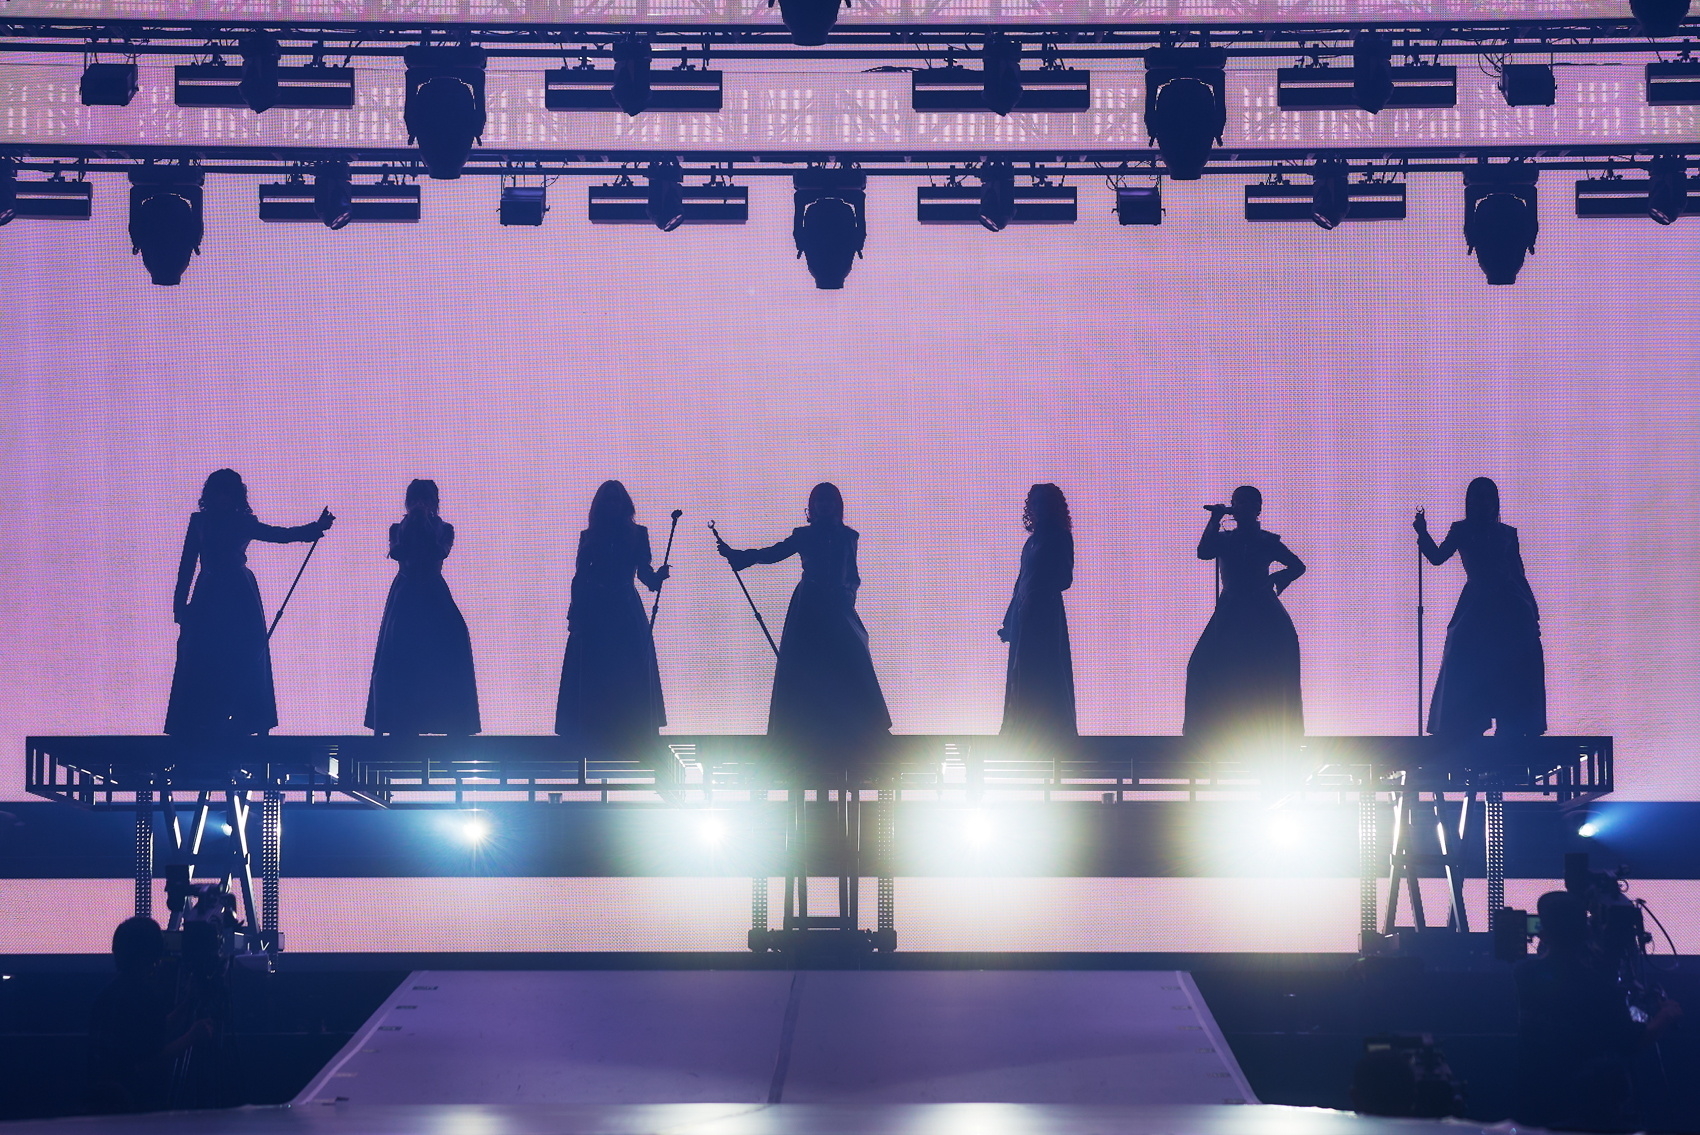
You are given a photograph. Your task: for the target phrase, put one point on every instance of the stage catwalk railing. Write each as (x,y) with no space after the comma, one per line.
(162,776)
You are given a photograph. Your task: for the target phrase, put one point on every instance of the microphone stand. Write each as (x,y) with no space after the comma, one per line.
(665,558)
(305,560)
(756,611)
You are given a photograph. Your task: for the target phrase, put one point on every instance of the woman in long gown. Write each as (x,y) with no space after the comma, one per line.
(222,684)
(1492,670)
(827,704)
(1242,681)
(1038,700)
(610,681)
(422,673)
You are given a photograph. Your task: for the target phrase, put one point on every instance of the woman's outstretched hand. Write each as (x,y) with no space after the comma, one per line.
(326,519)
(1420,523)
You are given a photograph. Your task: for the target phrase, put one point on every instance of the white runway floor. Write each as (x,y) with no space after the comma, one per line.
(816,1037)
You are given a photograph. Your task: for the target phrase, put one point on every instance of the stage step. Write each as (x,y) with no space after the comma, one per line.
(771,1036)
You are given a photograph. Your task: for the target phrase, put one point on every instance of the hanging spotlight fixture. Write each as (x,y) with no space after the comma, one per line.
(165,221)
(444,111)
(631,87)
(1372,71)
(665,203)
(1667,189)
(1001,78)
(8,190)
(829,222)
(1185,106)
(1330,195)
(997,195)
(809,21)
(1659,18)
(333,196)
(1501,218)
(261,60)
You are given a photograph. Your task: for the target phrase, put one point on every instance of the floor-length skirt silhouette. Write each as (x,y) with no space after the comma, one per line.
(1242,681)
(1492,669)
(422,674)
(610,692)
(827,700)
(222,682)
(1038,700)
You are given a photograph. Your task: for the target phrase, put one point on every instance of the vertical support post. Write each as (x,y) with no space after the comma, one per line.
(1457,918)
(758,906)
(1369,862)
(271,863)
(144,852)
(1494,830)
(885,821)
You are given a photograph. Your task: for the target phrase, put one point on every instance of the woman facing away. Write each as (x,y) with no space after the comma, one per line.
(610,681)
(1242,681)
(222,684)
(1038,700)
(827,704)
(1492,670)
(422,672)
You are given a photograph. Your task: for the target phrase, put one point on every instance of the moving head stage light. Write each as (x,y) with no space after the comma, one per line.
(261,82)
(1346,88)
(1186,106)
(165,221)
(1528,84)
(523,205)
(1665,195)
(1331,197)
(1659,18)
(445,105)
(1139,205)
(633,85)
(809,21)
(997,202)
(666,202)
(334,201)
(1501,218)
(54,199)
(829,222)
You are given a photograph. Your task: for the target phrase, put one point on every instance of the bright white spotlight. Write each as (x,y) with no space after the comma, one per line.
(473,829)
(712,831)
(1286,831)
(224,827)
(1589,829)
(977,829)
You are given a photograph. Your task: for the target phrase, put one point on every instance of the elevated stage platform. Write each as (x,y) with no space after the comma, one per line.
(772,1036)
(756,1119)
(180,782)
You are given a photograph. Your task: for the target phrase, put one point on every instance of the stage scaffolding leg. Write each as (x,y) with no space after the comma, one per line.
(1493,817)
(1456,917)
(271,865)
(885,824)
(144,853)
(1369,864)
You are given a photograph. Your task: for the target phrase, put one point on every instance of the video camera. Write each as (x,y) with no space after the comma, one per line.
(1617,931)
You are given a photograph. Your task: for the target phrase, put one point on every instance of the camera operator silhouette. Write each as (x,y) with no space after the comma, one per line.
(1575,1031)
(1492,671)
(222,684)
(136,1031)
(1242,681)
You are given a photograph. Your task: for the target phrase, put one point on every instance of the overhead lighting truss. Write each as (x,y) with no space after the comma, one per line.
(1666,195)
(632,85)
(666,202)
(892,42)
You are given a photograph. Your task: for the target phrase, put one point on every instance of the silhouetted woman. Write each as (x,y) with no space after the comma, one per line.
(222,684)
(1038,699)
(1493,669)
(610,683)
(1242,681)
(422,675)
(827,700)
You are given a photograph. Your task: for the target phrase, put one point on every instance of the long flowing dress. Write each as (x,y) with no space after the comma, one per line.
(1492,669)
(422,672)
(827,703)
(610,693)
(1038,699)
(1242,681)
(222,684)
